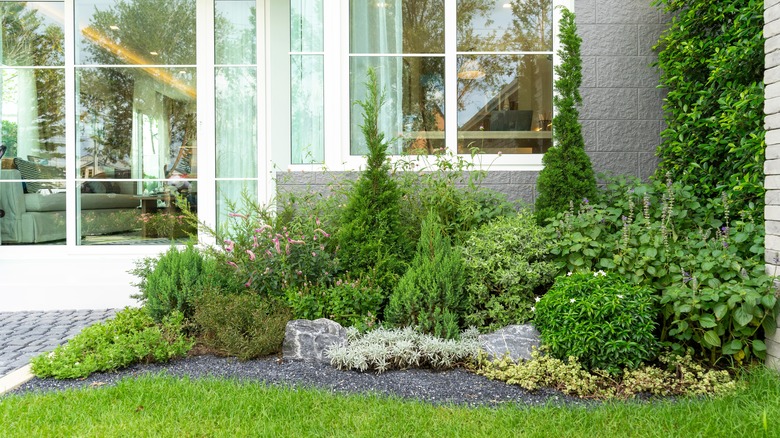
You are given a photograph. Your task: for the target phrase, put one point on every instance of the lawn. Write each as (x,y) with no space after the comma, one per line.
(165,406)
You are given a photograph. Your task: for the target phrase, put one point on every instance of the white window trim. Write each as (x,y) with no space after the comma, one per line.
(337,153)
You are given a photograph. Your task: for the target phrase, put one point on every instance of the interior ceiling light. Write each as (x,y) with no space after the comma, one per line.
(113,27)
(471,69)
(153,53)
(508,5)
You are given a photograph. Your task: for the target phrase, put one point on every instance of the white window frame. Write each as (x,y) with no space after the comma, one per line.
(338,156)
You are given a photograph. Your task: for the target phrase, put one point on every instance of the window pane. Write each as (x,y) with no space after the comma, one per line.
(306,26)
(32,111)
(34,210)
(140,32)
(136,123)
(236,118)
(504,25)
(505,103)
(308,113)
(235,31)
(32,33)
(230,198)
(135,212)
(412,117)
(397,26)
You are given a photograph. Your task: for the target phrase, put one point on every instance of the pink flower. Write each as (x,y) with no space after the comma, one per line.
(229,244)
(313,254)
(323,232)
(268,253)
(251,255)
(255,244)
(276,245)
(237,215)
(233,264)
(299,272)
(296,242)
(248,283)
(317,221)
(261,229)
(499,153)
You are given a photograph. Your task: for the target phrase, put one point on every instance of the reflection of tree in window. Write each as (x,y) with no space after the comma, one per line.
(146,33)
(27,40)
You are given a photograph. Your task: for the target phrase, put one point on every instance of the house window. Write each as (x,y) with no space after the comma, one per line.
(307,86)
(503,72)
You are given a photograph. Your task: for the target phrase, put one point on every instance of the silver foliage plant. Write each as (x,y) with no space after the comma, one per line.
(383,349)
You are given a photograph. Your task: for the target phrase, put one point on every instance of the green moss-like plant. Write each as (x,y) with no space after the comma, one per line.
(130,337)
(568,174)
(711,61)
(430,294)
(372,239)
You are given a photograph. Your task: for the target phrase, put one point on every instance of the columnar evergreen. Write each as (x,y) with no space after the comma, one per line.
(567,175)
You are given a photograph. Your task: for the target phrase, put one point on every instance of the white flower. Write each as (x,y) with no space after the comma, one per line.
(602,273)
(572,300)
(538,299)
(568,274)
(533,309)
(620,296)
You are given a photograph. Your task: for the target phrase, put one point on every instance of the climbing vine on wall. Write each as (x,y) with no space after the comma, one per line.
(712,64)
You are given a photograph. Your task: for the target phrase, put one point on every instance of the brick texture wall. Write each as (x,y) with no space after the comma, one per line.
(621,114)
(772,163)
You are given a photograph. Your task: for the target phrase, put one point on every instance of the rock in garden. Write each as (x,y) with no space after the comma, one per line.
(515,340)
(308,340)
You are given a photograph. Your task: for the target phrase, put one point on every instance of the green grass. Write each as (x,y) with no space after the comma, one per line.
(162,406)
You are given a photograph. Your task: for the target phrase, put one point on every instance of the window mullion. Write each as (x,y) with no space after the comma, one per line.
(450,77)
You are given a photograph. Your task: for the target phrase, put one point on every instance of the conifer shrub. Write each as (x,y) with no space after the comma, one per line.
(170,282)
(429,296)
(506,261)
(568,174)
(372,239)
(599,318)
(244,325)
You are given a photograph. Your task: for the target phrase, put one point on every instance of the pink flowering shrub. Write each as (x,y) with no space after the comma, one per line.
(270,261)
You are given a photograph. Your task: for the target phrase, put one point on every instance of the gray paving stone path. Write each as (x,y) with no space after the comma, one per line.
(27,334)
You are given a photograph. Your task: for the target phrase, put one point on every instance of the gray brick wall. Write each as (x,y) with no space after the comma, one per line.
(621,115)
(772,163)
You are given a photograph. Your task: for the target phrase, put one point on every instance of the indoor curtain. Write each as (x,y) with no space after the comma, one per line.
(377,28)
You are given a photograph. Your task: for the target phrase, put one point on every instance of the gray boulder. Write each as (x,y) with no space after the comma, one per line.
(515,340)
(308,340)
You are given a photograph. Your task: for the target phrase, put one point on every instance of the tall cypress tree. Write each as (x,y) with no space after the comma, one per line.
(568,174)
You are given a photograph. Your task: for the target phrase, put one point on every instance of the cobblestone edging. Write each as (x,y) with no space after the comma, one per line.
(27,334)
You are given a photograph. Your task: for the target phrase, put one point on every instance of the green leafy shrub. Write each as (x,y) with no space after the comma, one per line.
(430,294)
(130,337)
(170,282)
(567,174)
(450,185)
(505,261)
(383,349)
(711,61)
(243,325)
(651,233)
(678,376)
(724,320)
(600,319)
(372,238)
(348,302)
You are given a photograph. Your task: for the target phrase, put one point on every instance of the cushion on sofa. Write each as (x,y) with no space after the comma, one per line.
(33,171)
(89,201)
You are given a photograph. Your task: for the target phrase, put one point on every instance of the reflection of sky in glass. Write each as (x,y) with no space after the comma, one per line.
(51,13)
(84,11)
(477,98)
(501,17)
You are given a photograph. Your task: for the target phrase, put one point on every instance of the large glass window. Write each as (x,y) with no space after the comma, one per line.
(32,114)
(403,41)
(504,73)
(307,71)
(135,118)
(236,88)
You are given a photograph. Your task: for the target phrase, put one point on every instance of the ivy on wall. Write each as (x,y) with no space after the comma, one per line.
(712,64)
